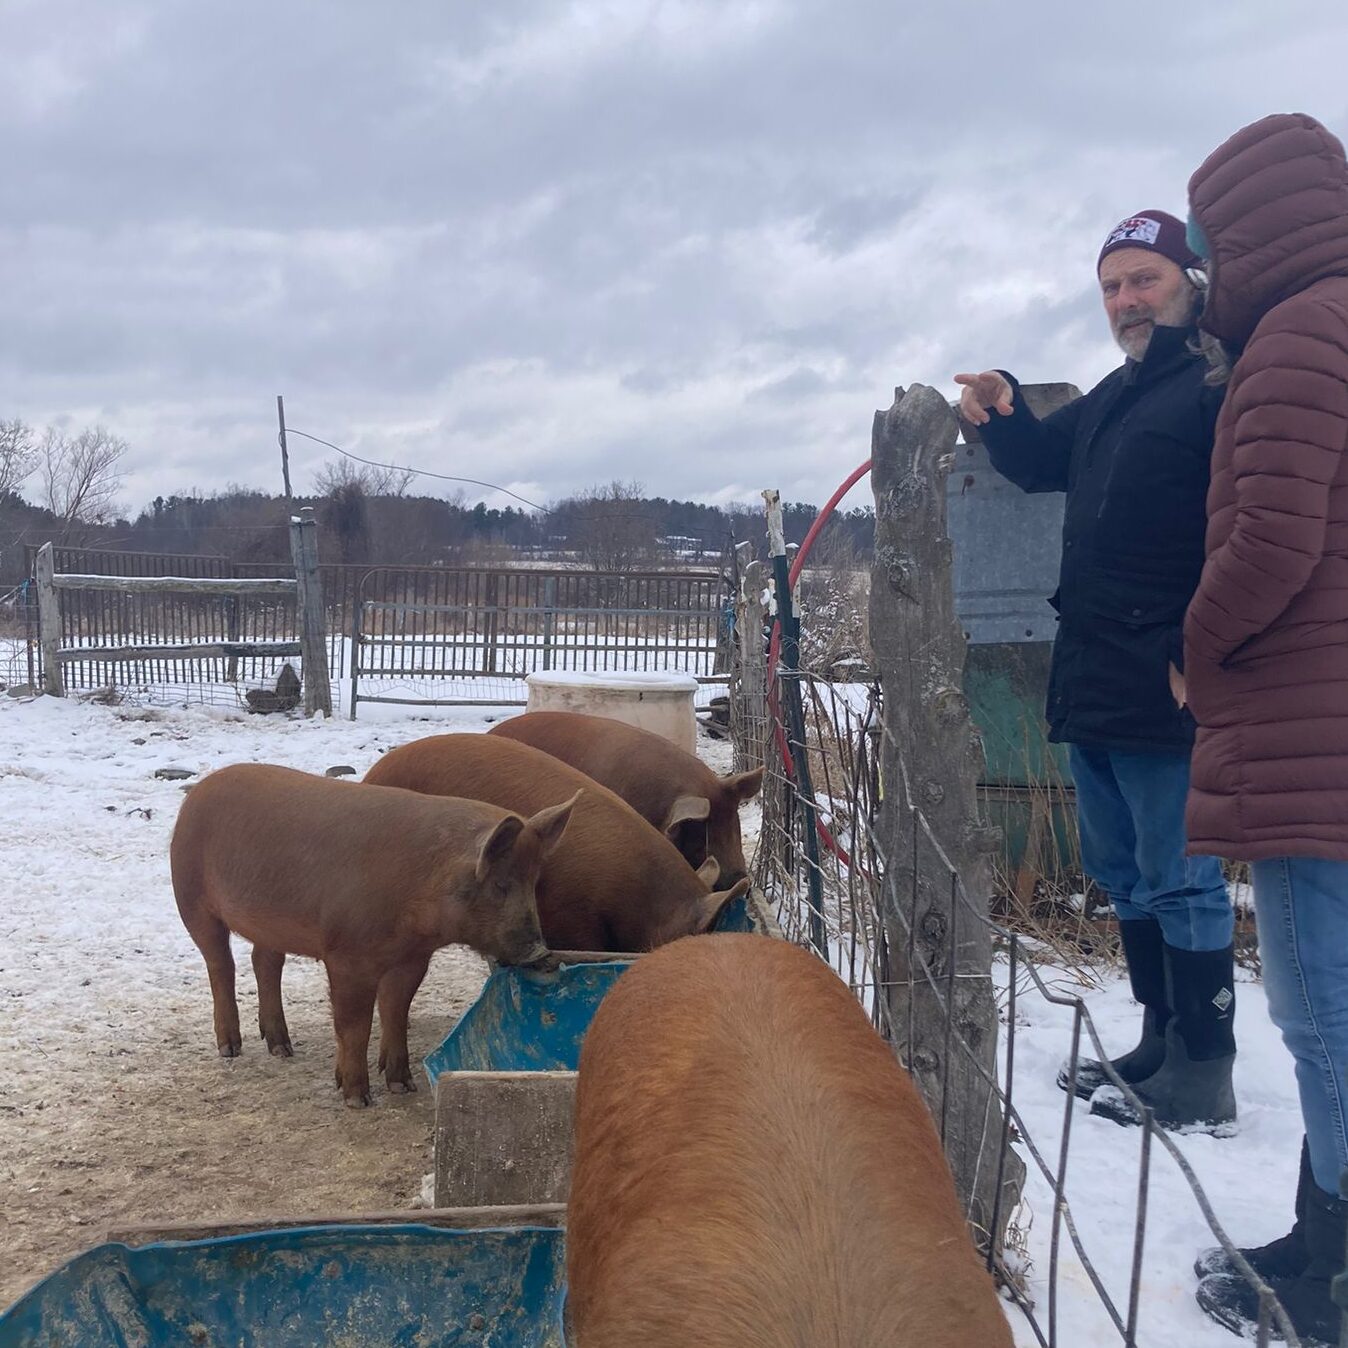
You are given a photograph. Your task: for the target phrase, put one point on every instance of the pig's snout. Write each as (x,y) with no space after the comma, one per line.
(537,958)
(525,948)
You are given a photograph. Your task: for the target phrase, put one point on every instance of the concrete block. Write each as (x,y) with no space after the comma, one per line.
(503,1138)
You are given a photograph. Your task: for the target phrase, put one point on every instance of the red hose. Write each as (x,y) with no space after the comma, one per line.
(775,644)
(822,518)
(798,565)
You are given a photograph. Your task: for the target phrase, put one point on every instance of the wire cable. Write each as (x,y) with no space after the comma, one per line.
(420,472)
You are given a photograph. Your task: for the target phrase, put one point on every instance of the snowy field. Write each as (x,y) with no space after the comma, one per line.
(115,1109)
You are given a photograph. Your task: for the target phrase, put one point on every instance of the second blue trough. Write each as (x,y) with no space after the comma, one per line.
(526,1022)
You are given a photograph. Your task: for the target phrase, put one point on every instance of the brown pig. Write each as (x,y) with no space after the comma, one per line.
(753,1169)
(370,881)
(613,883)
(667,786)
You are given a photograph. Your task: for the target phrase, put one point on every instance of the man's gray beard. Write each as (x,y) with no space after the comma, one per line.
(1132,343)
(1179,314)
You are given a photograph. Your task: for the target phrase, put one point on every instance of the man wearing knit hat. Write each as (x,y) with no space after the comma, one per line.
(1133,455)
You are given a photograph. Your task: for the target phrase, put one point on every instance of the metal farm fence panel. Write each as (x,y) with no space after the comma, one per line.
(457,637)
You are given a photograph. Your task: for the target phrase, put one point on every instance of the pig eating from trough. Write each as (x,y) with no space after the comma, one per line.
(668,787)
(371,881)
(754,1169)
(613,883)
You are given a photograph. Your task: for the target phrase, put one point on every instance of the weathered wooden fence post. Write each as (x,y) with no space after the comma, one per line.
(49,621)
(932,750)
(751,660)
(310,612)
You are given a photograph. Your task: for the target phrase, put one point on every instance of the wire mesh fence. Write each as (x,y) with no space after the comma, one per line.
(852,897)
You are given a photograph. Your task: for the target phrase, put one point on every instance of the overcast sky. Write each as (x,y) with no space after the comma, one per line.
(689,242)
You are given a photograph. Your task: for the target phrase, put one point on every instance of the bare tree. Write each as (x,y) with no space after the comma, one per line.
(18,454)
(346,515)
(371,479)
(80,476)
(611,527)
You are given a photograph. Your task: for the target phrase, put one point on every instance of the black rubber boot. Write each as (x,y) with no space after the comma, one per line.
(1192,1087)
(1285,1257)
(1143,950)
(1307,1298)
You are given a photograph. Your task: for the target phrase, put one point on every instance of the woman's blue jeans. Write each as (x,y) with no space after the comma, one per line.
(1301,906)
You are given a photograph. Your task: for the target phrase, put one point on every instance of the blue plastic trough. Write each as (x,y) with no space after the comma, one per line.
(535,1022)
(310,1287)
(526,1022)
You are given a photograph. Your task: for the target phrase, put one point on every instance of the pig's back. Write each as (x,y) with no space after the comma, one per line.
(250,821)
(753,1167)
(643,769)
(259,799)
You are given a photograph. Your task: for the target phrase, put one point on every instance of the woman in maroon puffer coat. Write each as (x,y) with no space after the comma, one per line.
(1266,646)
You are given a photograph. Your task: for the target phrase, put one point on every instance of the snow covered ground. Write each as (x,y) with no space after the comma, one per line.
(1249,1178)
(114,1107)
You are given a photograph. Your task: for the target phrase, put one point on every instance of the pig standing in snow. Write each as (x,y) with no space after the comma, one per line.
(753,1169)
(370,881)
(614,882)
(675,791)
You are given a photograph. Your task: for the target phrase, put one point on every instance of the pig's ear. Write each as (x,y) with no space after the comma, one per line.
(743,786)
(685,810)
(715,904)
(709,872)
(498,844)
(551,823)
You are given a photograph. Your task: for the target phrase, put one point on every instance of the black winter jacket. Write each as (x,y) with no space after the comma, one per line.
(1133,456)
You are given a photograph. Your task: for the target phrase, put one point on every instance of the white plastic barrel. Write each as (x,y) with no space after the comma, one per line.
(660,703)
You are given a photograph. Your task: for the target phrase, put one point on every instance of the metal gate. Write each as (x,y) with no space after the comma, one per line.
(469,637)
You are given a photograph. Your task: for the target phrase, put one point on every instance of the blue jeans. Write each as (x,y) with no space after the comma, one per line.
(1301,906)
(1130,811)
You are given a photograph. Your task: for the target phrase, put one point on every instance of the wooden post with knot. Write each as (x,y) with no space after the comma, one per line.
(940,953)
(749,710)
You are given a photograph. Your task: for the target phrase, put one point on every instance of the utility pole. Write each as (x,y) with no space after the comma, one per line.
(285,453)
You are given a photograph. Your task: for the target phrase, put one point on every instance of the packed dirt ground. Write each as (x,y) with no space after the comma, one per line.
(135,1121)
(115,1109)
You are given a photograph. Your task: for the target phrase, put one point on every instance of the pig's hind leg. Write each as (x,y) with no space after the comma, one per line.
(212,939)
(271,1016)
(396,990)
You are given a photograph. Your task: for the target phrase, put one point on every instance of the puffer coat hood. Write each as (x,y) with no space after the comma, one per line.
(1273,205)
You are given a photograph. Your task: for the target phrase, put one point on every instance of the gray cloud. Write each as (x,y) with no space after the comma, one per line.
(694,242)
